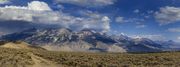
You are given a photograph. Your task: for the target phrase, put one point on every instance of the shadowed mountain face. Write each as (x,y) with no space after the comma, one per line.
(17,26)
(84,41)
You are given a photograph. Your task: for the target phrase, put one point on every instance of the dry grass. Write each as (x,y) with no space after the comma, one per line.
(22,58)
(113,59)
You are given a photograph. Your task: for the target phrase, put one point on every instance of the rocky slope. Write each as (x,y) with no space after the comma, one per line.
(82,41)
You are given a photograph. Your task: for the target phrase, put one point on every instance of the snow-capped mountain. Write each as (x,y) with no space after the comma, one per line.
(85,40)
(169,45)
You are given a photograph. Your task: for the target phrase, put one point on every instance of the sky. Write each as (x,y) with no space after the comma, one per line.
(154,19)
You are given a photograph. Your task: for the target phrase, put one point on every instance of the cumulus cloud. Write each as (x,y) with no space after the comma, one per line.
(88,3)
(34,6)
(37,5)
(168,15)
(40,13)
(174,29)
(35,11)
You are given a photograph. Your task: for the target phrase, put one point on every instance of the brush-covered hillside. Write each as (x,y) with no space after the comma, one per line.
(22,55)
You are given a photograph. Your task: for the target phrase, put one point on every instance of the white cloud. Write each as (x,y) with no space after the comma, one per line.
(150,12)
(41,13)
(134,20)
(174,29)
(168,15)
(178,38)
(119,19)
(136,11)
(4,1)
(139,22)
(152,37)
(140,26)
(88,3)
(27,13)
(40,6)
(34,5)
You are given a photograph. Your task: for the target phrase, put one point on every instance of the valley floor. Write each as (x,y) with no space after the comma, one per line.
(42,58)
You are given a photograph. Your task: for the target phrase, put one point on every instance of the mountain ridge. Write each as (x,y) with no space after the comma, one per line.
(86,40)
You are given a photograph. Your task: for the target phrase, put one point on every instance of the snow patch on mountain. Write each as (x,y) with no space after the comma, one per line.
(86,40)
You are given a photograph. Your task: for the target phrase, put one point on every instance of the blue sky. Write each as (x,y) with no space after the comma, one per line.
(154,19)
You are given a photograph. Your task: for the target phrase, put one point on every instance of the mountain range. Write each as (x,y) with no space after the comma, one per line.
(87,40)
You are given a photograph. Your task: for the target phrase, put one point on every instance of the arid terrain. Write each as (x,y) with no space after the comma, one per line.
(89,33)
(27,56)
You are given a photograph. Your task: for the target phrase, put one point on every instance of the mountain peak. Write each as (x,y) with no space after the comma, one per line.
(63,37)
